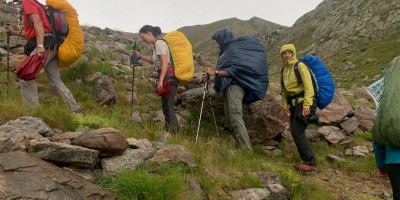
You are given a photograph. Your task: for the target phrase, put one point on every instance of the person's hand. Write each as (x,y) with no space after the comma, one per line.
(306,112)
(207,77)
(8,29)
(210,71)
(136,52)
(287,112)
(40,51)
(160,85)
(203,78)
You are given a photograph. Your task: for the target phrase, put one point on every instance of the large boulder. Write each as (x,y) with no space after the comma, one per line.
(64,154)
(104,91)
(365,117)
(131,159)
(25,176)
(16,135)
(337,110)
(174,154)
(108,141)
(264,119)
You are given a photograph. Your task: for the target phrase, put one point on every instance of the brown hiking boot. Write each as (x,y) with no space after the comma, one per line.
(305,168)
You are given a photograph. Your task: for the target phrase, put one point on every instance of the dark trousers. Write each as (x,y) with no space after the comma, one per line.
(298,128)
(394,176)
(171,122)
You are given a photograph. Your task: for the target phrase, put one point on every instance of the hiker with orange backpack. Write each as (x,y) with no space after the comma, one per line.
(41,41)
(167,83)
(298,102)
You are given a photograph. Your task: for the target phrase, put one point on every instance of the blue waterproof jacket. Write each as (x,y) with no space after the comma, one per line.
(245,60)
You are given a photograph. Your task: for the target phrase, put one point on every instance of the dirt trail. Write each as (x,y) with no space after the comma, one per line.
(352,187)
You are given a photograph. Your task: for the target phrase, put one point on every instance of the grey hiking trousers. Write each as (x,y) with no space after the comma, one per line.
(232,99)
(29,92)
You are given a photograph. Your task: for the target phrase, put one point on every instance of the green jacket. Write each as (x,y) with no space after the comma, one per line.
(289,80)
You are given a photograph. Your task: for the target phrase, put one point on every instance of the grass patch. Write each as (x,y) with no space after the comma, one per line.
(143,184)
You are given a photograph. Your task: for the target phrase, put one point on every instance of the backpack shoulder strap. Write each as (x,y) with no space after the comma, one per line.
(297,73)
(49,11)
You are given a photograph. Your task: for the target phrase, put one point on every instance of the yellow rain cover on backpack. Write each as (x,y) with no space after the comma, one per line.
(72,47)
(182,55)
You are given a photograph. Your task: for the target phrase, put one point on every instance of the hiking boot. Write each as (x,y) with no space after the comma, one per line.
(305,168)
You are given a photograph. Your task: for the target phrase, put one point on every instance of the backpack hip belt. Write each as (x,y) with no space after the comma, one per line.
(295,97)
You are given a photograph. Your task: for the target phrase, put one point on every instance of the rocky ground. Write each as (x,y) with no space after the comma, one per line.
(349,186)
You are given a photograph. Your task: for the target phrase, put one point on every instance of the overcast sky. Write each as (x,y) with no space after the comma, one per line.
(131,15)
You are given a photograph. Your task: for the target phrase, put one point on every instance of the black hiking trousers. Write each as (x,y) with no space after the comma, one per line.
(298,130)
(394,176)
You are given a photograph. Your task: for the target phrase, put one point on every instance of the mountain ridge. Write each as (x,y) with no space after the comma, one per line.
(354,38)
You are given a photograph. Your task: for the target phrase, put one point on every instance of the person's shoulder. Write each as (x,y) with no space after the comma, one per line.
(28,2)
(161,42)
(29,6)
(302,66)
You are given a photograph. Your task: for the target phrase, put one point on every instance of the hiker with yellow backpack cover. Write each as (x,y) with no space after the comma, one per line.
(40,39)
(173,60)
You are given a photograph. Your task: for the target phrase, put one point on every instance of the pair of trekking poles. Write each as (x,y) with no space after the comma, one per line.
(202,106)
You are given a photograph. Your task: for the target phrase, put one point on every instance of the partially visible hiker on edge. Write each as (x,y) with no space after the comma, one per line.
(232,94)
(39,37)
(297,101)
(386,130)
(388,163)
(167,83)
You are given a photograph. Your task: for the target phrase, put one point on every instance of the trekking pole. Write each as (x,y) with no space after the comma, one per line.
(8,59)
(212,111)
(134,58)
(201,109)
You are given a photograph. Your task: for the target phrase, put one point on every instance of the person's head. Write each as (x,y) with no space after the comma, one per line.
(288,52)
(223,37)
(149,34)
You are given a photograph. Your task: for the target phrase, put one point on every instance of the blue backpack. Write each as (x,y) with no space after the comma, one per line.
(324,88)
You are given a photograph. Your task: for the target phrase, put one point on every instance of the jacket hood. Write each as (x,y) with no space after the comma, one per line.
(291,48)
(223,37)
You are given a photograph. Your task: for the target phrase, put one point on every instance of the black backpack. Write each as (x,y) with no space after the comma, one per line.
(58,23)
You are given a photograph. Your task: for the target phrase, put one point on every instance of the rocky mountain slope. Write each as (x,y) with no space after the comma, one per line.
(355,38)
(200,35)
(107,50)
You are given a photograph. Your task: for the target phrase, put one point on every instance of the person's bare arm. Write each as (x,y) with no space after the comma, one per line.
(221,73)
(39,30)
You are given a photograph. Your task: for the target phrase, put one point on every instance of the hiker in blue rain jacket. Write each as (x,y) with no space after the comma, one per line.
(233,93)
